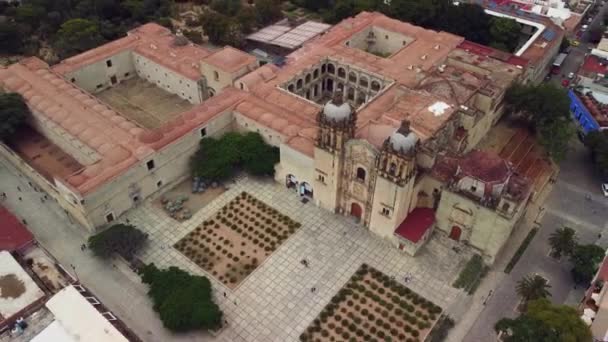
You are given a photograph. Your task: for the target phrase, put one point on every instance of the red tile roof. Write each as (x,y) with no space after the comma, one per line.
(13,235)
(416,224)
(487,51)
(485,166)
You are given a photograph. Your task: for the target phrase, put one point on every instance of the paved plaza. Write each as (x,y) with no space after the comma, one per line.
(275,302)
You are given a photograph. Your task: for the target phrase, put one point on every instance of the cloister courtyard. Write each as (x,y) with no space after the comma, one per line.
(277,298)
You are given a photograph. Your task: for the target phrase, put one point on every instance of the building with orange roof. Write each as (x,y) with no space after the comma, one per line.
(360,113)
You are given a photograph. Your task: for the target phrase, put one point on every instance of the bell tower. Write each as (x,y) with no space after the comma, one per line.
(336,125)
(396,169)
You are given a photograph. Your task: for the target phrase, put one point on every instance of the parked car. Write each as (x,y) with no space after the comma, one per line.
(565,83)
(605,189)
(571,75)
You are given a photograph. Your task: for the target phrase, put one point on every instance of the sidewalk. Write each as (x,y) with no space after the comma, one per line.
(120,292)
(467,309)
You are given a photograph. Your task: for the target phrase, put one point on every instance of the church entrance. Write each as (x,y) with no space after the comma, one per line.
(356,211)
(455,233)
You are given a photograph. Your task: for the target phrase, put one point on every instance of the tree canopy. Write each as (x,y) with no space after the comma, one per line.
(183,301)
(563,242)
(545,322)
(35,20)
(218,159)
(586,259)
(597,142)
(546,107)
(532,288)
(77,35)
(121,239)
(13,113)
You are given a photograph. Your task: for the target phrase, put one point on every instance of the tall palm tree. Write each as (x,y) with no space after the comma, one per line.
(562,242)
(533,287)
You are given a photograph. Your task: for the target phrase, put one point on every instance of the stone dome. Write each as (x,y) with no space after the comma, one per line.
(337,112)
(402,142)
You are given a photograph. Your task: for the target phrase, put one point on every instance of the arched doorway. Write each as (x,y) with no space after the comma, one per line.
(455,233)
(329,85)
(355,210)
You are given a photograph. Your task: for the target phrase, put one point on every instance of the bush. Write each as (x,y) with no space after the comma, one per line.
(521,250)
(122,239)
(184,301)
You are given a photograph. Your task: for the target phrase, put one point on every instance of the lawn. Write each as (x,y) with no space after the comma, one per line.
(374,307)
(237,238)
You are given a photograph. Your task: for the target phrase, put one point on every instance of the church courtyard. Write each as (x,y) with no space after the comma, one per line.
(281,298)
(143,102)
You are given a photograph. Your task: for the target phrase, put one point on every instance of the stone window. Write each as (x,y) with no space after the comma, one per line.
(109,63)
(331,69)
(216,75)
(352,77)
(375,85)
(386,212)
(323,68)
(299,84)
(150,164)
(315,74)
(505,207)
(204,132)
(363,81)
(307,78)
(361,174)
(290,88)
(321,178)
(392,169)
(159,183)
(341,73)
(109,217)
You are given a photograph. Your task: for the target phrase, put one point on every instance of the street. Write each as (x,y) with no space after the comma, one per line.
(566,206)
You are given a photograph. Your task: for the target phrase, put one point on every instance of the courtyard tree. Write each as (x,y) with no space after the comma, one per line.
(183,301)
(546,107)
(77,35)
(585,260)
(13,113)
(121,239)
(219,159)
(504,33)
(563,242)
(11,38)
(532,287)
(544,321)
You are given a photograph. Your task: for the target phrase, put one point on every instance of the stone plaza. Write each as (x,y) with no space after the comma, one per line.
(275,303)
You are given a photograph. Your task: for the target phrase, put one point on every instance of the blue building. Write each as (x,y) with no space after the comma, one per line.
(581,115)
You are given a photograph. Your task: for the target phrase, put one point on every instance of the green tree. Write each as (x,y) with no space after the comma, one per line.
(563,242)
(11,39)
(268,11)
(247,18)
(547,108)
(77,35)
(532,287)
(545,322)
(121,239)
(585,260)
(13,113)
(218,159)
(183,301)
(226,7)
(30,14)
(597,142)
(215,25)
(504,33)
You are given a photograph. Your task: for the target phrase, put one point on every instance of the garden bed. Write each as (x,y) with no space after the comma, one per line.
(374,307)
(236,239)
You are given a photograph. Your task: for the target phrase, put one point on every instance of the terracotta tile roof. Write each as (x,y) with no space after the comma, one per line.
(13,235)
(113,142)
(416,224)
(230,59)
(152,41)
(485,166)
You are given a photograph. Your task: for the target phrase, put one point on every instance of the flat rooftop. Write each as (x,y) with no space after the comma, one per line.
(144,102)
(17,289)
(42,155)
